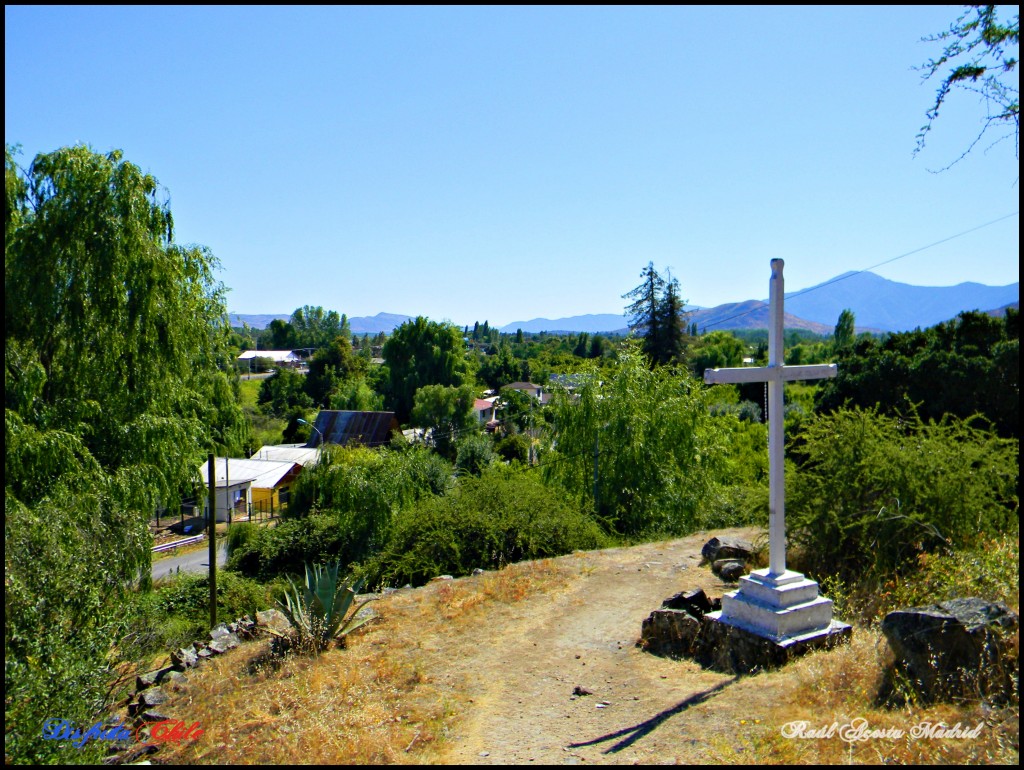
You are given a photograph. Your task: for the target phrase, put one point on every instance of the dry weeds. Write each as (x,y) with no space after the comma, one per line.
(369,703)
(842,686)
(386,698)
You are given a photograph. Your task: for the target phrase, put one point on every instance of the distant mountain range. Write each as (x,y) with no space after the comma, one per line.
(878,304)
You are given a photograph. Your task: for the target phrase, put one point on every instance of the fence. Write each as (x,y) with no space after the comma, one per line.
(177,543)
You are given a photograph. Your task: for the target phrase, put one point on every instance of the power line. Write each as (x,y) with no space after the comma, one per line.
(851,274)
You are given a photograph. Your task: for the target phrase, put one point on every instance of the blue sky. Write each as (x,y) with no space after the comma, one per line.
(510,163)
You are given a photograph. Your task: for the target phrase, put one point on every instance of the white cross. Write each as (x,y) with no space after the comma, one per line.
(775,374)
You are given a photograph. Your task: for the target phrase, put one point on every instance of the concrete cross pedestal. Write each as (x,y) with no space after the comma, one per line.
(777,604)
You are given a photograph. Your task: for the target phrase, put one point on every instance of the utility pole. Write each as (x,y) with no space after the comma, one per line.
(213,540)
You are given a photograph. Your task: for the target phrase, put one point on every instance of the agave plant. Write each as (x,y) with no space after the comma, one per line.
(326,610)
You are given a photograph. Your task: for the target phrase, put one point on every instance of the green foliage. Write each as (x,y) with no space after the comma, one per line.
(970,365)
(503,368)
(519,412)
(356,395)
(716,350)
(58,625)
(359,492)
(239,534)
(474,453)
(115,341)
(418,353)
(990,570)
(868,493)
(331,368)
(325,611)
(447,412)
(177,611)
(514,448)
(283,391)
(660,453)
(313,327)
(502,517)
(977,49)
(657,315)
(844,333)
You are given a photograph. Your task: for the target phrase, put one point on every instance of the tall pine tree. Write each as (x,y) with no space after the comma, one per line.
(657,316)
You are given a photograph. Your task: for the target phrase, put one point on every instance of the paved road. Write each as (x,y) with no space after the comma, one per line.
(196,561)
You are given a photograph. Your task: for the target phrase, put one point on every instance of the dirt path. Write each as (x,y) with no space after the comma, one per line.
(520,671)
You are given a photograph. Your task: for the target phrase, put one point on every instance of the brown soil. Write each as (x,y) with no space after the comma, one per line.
(516,672)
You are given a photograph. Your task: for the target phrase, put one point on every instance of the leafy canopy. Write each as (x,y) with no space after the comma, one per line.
(659,453)
(422,352)
(115,339)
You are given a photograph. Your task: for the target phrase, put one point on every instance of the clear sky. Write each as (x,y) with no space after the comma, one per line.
(512,163)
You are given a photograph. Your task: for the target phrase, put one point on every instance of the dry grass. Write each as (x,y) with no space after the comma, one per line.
(842,686)
(369,703)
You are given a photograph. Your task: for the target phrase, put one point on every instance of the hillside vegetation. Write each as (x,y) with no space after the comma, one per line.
(903,474)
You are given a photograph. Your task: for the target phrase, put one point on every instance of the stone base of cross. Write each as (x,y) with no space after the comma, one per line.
(776,603)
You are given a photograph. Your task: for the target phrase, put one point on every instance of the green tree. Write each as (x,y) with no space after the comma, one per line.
(447,412)
(961,367)
(283,391)
(422,352)
(978,57)
(644,312)
(658,453)
(474,453)
(519,412)
(657,314)
(675,338)
(716,350)
(282,335)
(316,328)
(330,367)
(115,338)
(503,368)
(844,333)
(869,493)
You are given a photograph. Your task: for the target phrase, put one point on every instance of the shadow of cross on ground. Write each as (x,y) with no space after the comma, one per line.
(636,732)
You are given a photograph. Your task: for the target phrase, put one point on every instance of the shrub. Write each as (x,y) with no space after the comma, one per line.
(324,612)
(514,448)
(285,548)
(504,516)
(869,492)
(659,453)
(239,534)
(473,454)
(177,611)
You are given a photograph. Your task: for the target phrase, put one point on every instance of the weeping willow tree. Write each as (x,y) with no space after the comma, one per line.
(638,446)
(114,392)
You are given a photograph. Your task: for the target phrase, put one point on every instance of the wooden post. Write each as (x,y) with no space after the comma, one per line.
(213,540)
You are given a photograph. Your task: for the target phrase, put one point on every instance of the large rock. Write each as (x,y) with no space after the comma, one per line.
(694,601)
(152,678)
(726,548)
(223,643)
(670,633)
(730,570)
(955,649)
(273,620)
(185,658)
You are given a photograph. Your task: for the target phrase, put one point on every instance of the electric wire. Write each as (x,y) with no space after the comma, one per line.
(851,274)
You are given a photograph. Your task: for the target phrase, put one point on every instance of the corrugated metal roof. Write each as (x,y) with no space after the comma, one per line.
(286,453)
(276,355)
(262,474)
(345,427)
